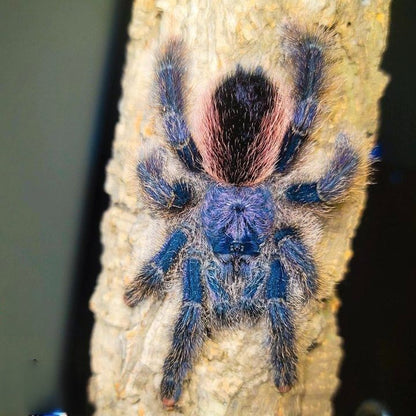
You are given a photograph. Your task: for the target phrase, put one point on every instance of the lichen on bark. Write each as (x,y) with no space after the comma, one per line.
(232,376)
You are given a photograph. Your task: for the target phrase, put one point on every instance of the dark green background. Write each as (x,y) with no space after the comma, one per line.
(59,60)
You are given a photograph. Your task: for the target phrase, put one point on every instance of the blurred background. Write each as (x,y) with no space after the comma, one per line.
(61,65)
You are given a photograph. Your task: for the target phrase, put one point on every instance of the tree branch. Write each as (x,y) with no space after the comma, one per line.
(232,376)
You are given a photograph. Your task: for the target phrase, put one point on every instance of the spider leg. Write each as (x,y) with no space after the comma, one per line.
(282,332)
(218,295)
(248,303)
(170,73)
(188,334)
(298,263)
(162,194)
(306,55)
(150,278)
(336,180)
(292,274)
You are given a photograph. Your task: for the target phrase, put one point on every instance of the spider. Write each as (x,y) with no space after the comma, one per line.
(241,227)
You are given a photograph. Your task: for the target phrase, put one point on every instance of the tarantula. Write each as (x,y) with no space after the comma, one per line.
(239,227)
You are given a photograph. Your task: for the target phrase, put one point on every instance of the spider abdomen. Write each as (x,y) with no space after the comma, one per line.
(240,133)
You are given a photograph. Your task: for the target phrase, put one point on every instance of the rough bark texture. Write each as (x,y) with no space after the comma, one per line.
(232,376)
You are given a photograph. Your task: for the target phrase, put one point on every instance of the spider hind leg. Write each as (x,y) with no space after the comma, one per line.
(170,74)
(306,53)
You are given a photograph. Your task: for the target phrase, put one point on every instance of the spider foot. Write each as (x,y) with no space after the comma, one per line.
(171,390)
(285,380)
(149,281)
(284,389)
(169,404)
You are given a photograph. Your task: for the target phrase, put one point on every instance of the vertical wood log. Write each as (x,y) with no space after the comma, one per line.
(232,376)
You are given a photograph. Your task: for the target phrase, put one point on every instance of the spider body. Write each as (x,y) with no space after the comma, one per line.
(237,220)
(238,229)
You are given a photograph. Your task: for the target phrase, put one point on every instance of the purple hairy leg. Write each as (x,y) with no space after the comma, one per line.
(251,302)
(298,263)
(160,193)
(150,279)
(292,277)
(188,334)
(308,60)
(221,303)
(282,327)
(336,180)
(170,72)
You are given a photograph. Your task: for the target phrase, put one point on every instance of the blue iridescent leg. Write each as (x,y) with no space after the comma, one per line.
(188,334)
(282,332)
(298,263)
(170,72)
(162,194)
(336,180)
(150,279)
(306,54)
(221,304)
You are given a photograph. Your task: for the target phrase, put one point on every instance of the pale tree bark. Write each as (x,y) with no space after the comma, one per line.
(232,375)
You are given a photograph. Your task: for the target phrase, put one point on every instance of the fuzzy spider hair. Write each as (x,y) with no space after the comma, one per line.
(241,231)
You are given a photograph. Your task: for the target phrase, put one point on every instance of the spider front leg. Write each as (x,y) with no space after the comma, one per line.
(188,334)
(282,343)
(170,73)
(298,264)
(150,279)
(307,58)
(292,281)
(336,180)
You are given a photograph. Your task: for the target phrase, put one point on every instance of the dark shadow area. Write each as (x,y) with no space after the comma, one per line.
(378,308)
(76,367)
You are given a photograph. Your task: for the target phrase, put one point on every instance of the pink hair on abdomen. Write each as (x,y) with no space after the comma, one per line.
(258,162)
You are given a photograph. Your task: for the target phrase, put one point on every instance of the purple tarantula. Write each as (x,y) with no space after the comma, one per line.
(240,228)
